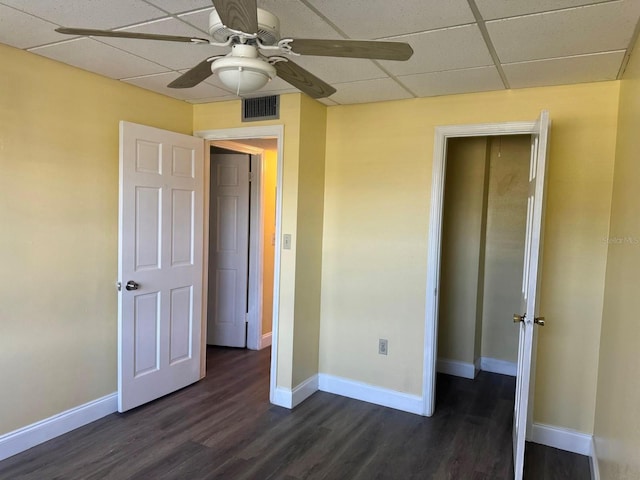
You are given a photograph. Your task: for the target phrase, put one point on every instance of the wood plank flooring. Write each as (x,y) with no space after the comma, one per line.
(223,427)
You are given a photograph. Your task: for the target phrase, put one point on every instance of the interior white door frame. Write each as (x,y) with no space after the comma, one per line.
(256,244)
(442,135)
(239,134)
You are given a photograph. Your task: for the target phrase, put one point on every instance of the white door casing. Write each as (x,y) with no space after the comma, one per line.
(228,250)
(276,132)
(539,132)
(530,284)
(160,249)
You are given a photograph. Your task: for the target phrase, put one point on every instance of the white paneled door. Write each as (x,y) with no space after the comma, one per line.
(530,283)
(159,263)
(228,250)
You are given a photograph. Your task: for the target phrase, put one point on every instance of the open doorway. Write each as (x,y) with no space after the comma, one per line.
(240,136)
(527,316)
(483,244)
(241,245)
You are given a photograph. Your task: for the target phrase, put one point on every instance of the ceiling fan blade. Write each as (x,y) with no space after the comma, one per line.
(197,74)
(240,15)
(352,48)
(303,80)
(143,36)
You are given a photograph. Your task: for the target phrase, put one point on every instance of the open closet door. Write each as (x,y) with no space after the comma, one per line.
(160,248)
(530,282)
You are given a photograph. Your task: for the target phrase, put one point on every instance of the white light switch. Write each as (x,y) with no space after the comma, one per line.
(286,241)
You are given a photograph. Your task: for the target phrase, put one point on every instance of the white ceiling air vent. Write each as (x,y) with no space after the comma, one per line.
(261,108)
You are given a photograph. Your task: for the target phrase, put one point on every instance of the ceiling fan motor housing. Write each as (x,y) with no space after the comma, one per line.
(268,28)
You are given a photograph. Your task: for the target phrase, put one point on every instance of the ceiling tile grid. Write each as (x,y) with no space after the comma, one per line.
(460,46)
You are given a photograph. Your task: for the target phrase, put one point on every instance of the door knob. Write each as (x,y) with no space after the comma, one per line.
(131,285)
(518,318)
(539,321)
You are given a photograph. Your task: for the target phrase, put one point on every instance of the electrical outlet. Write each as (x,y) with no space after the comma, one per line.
(382,346)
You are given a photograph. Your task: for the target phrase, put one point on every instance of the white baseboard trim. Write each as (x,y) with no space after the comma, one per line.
(304,390)
(593,461)
(292,398)
(370,393)
(282,397)
(562,438)
(24,438)
(494,365)
(457,368)
(470,370)
(265,341)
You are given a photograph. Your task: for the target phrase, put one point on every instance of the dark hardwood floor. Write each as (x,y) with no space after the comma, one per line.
(223,427)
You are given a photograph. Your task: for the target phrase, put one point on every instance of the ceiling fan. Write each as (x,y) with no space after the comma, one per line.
(253,34)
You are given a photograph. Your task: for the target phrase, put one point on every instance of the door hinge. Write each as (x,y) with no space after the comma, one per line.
(250,176)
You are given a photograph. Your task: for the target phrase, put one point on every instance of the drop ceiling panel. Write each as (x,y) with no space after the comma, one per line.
(158,83)
(338,70)
(366,91)
(559,71)
(447,49)
(100,58)
(22,30)
(199,19)
(174,55)
(89,14)
(453,81)
(214,99)
(451,55)
(493,9)
(383,18)
(298,20)
(328,102)
(594,28)
(179,6)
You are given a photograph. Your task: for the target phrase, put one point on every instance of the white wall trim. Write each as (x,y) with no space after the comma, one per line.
(265,340)
(304,390)
(292,398)
(370,393)
(457,368)
(24,438)
(593,461)
(281,397)
(470,370)
(495,365)
(562,438)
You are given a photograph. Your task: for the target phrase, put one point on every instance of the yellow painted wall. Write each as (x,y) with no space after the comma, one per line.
(269,219)
(59,226)
(58,209)
(462,255)
(223,115)
(313,122)
(296,112)
(617,416)
(506,225)
(377,194)
(484,217)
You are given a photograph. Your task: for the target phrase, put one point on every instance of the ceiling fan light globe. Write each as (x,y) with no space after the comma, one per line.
(243,75)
